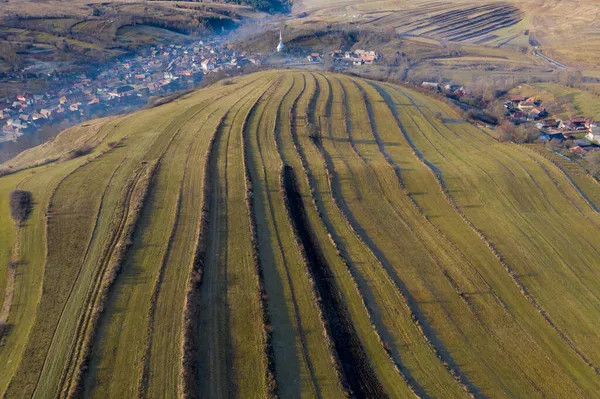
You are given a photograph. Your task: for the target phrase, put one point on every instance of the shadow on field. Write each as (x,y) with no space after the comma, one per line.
(357,373)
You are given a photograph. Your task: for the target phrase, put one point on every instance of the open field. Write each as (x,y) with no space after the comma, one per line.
(298,234)
(564,30)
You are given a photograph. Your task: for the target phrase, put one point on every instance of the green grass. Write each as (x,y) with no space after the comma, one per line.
(296,321)
(458,264)
(513,212)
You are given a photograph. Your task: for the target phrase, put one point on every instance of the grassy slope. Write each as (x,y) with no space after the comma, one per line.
(41,181)
(7,233)
(119,165)
(141,269)
(288,139)
(506,193)
(293,309)
(391,315)
(417,265)
(519,319)
(232,341)
(580,177)
(164,352)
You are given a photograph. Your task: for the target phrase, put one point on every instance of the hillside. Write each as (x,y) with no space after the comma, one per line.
(300,234)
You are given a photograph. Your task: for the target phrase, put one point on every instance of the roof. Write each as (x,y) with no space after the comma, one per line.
(517,98)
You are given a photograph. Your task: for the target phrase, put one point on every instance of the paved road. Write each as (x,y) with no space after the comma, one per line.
(549,60)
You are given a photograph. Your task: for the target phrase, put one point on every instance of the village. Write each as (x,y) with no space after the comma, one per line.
(121,86)
(579,133)
(127,84)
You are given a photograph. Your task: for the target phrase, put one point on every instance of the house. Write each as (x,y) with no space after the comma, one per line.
(527,105)
(430,85)
(550,123)
(516,99)
(208,65)
(368,59)
(582,142)
(314,57)
(577,150)
(594,134)
(579,122)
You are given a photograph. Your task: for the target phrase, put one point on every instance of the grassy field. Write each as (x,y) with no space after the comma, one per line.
(298,234)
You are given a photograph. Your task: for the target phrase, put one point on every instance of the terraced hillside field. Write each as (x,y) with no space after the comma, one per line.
(297,234)
(457,20)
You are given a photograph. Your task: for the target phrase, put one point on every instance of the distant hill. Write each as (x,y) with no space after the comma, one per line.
(299,234)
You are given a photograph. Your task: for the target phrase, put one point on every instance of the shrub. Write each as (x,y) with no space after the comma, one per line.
(20,205)
(81,151)
(3,328)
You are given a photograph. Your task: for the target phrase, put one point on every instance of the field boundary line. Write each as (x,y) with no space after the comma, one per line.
(187,369)
(314,292)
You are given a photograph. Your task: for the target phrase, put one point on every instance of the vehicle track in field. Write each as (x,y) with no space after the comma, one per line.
(214,361)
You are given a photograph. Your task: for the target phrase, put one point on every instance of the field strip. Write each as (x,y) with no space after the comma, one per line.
(421,341)
(451,260)
(511,273)
(163,367)
(166,149)
(50,305)
(581,179)
(86,290)
(219,316)
(157,150)
(192,302)
(77,332)
(388,371)
(287,235)
(417,235)
(349,350)
(146,378)
(41,182)
(451,229)
(278,297)
(295,329)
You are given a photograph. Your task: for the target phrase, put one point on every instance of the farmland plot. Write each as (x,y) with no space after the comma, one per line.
(301,235)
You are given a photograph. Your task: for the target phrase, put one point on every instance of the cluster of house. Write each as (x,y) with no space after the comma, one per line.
(521,109)
(580,133)
(583,134)
(357,57)
(121,85)
(449,89)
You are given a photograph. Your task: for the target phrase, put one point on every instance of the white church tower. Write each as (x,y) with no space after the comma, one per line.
(280,46)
